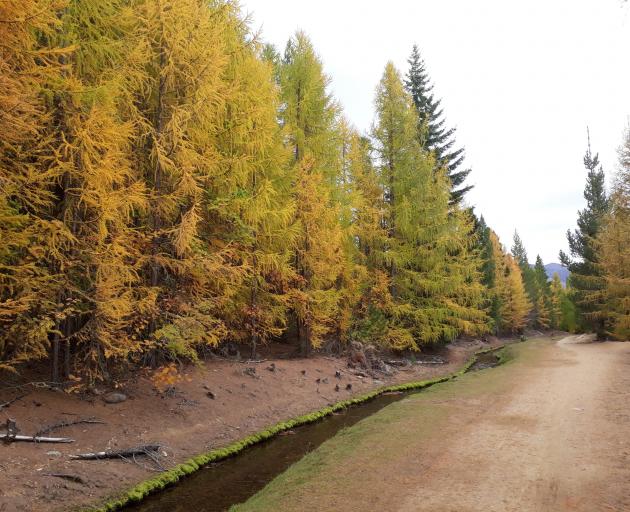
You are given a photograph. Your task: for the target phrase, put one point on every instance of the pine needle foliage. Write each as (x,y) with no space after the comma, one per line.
(253,209)
(433,278)
(32,242)
(614,251)
(309,118)
(587,283)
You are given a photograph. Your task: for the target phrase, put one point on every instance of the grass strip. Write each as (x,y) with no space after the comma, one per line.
(173,475)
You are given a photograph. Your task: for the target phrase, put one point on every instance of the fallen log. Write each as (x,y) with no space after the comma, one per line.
(35,439)
(149,449)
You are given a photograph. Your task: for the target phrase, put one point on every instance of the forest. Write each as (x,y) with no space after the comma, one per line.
(171,184)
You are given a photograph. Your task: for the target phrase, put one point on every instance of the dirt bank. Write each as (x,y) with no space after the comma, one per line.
(548,432)
(186,423)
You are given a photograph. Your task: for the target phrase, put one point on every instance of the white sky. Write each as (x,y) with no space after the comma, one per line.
(519,80)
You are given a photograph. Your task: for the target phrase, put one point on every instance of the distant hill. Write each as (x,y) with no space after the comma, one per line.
(563,272)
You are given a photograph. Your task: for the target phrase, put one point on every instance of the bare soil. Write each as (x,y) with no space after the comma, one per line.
(186,423)
(547,432)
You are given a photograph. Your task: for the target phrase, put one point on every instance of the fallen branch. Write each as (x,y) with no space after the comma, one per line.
(67,476)
(396,362)
(62,424)
(35,439)
(13,400)
(148,450)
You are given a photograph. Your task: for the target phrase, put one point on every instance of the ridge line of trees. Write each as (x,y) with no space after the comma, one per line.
(169,183)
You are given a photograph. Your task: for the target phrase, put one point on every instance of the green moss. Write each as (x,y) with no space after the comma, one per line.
(172,476)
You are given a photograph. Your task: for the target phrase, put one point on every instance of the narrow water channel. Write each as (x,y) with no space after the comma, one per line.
(218,486)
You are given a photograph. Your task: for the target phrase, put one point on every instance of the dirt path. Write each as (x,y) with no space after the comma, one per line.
(547,432)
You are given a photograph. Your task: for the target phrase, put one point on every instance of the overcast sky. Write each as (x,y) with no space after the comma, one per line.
(519,80)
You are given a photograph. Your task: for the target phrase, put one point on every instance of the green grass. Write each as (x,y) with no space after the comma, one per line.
(354,461)
(173,475)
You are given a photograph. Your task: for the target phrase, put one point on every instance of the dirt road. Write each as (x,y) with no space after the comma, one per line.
(549,431)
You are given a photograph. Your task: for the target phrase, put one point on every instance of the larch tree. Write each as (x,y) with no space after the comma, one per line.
(496,282)
(487,245)
(556,292)
(371,321)
(434,281)
(309,118)
(179,98)
(614,251)
(541,306)
(515,304)
(510,303)
(33,242)
(253,208)
(586,281)
(432,133)
(354,164)
(97,191)
(519,253)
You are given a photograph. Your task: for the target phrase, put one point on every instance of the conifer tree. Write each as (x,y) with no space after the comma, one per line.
(179,97)
(486,249)
(510,304)
(529,279)
(432,133)
(496,282)
(556,293)
(309,119)
(586,281)
(253,189)
(434,281)
(515,304)
(614,251)
(371,321)
(32,243)
(542,314)
(353,277)
(97,191)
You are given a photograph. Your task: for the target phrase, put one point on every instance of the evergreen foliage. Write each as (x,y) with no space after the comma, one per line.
(309,118)
(433,275)
(509,303)
(433,135)
(587,283)
(542,306)
(614,251)
(562,314)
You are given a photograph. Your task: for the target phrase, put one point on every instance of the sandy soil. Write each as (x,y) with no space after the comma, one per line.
(548,432)
(559,441)
(186,424)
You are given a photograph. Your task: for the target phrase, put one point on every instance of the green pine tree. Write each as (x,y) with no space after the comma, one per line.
(433,134)
(586,280)
(542,305)
(433,272)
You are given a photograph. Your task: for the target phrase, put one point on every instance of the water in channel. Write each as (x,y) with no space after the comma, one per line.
(220,485)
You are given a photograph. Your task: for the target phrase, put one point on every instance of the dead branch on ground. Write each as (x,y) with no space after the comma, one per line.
(13,400)
(63,424)
(67,476)
(148,450)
